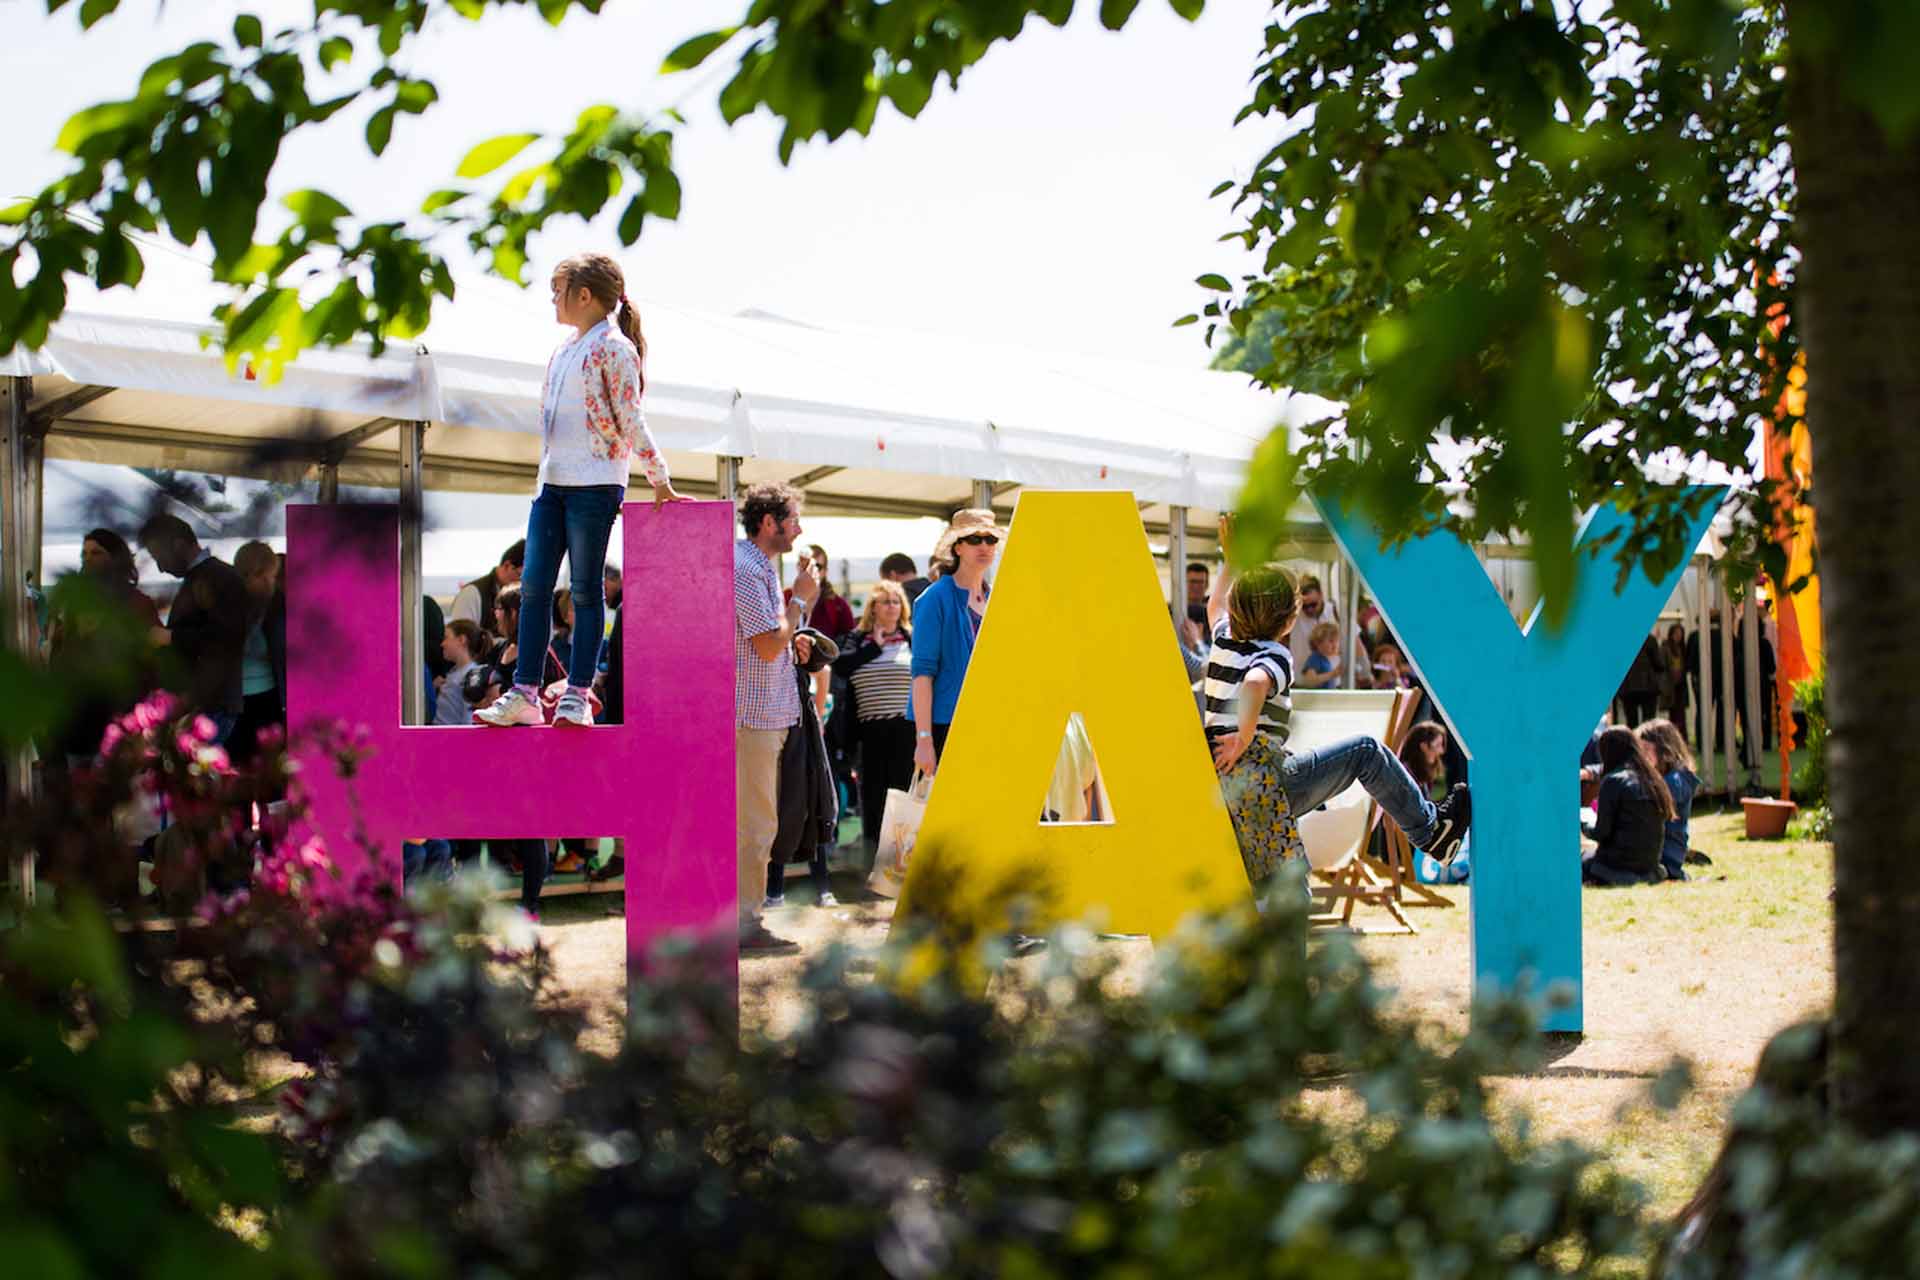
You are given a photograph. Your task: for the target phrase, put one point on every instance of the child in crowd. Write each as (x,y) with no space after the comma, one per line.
(464,645)
(1629,824)
(1675,763)
(1323,663)
(1390,667)
(592,429)
(1249,703)
(493,678)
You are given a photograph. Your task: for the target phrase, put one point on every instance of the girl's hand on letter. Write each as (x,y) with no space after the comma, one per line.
(665,493)
(1227,751)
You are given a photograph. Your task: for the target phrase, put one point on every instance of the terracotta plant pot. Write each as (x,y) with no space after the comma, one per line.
(1767,818)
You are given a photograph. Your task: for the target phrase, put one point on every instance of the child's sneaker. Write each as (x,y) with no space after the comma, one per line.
(1450,823)
(573,711)
(513,708)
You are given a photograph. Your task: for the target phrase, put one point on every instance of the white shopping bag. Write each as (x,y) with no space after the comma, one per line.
(899,828)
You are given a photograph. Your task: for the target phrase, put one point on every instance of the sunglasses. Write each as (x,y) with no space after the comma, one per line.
(978,540)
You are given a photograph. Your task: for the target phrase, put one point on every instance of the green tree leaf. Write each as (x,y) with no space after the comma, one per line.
(84,125)
(380,130)
(335,51)
(315,208)
(494,152)
(689,54)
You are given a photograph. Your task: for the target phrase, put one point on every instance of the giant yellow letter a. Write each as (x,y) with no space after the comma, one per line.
(1076,624)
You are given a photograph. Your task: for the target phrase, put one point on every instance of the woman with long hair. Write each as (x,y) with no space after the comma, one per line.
(1630,822)
(592,431)
(1675,763)
(879,671)
(832,616)
(1422,751)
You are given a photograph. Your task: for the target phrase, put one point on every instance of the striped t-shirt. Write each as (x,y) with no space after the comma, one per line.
(883,686)
(1228,663)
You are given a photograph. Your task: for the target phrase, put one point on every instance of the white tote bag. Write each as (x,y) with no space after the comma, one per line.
(899,828)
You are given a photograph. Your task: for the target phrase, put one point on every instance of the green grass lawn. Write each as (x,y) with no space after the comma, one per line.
(1704,971)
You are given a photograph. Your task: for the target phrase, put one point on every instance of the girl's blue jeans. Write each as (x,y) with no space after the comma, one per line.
(574,521)
(1311,778)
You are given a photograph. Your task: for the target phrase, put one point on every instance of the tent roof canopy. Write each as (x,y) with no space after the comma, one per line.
(867,421)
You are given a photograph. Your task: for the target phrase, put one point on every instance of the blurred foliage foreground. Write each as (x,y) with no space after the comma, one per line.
(324,1078)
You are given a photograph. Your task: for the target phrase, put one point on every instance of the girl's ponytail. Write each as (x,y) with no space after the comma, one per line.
(630,325)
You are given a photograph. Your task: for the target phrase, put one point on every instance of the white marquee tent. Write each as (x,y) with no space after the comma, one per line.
(866,421)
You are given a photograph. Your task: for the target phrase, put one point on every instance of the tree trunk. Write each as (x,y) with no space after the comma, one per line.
(1859,316)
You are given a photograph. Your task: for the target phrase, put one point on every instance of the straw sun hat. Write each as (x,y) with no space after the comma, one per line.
(965,523)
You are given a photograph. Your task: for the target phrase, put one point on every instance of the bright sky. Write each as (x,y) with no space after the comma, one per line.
(1058,200)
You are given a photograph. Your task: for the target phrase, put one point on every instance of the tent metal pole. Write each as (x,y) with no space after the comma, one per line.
(413,654)
(16,394)
(330,482)
(1750,656)
(1727,697)
(1177,560)
(1704,711)
(35,444)
(726,478)
(982,494)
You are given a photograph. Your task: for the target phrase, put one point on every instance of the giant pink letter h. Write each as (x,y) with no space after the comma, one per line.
(663,779)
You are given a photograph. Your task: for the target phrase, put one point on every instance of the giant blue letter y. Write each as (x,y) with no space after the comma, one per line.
(1523,702)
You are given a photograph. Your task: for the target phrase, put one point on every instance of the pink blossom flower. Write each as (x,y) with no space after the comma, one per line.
(203,729)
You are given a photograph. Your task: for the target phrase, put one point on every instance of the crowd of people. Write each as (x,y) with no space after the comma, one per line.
(833,710)
(1664,682)
(897,676)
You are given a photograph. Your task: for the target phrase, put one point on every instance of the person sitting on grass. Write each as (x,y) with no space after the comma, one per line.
(1629,823)
(1675,763)
(1249,704)
(1322,669)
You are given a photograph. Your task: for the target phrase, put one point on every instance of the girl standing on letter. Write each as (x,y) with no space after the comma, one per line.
(592,429)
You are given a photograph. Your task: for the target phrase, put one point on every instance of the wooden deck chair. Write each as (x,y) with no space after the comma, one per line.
(1400,861)
(1343,877)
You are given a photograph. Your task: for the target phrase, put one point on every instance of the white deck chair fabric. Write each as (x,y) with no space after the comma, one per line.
(1336,834)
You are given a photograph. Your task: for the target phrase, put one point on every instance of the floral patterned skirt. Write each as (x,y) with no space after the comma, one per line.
(1263,820)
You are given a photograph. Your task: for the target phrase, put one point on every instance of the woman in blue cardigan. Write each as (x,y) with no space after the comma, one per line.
(946,619)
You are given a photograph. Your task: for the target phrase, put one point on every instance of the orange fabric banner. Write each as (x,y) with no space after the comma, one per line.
(1789,463)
